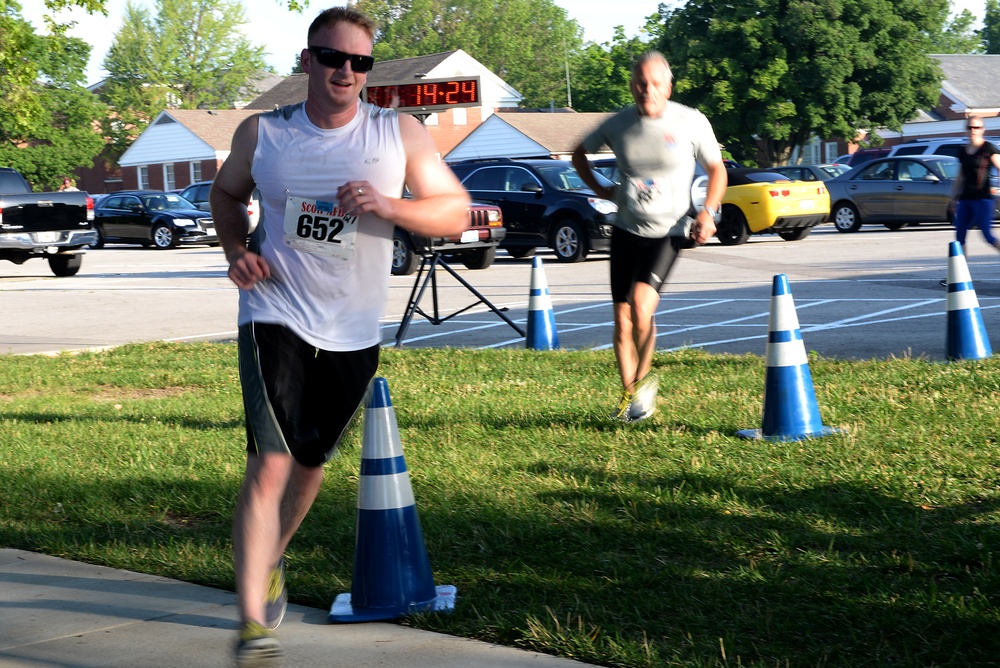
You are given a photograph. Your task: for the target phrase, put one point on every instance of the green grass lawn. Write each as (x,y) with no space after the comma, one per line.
(667,543)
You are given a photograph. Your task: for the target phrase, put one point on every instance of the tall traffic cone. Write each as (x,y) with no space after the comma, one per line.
(967,339)
(542,333)
(392,575)
(790,410)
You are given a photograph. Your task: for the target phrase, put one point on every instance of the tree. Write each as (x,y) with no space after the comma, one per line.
(990,33)
(959,36)
(190,55)
(48,120)
(527,43)
(602,73)
(782,71)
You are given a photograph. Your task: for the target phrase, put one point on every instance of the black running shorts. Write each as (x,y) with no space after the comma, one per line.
(298,399)
(636,259)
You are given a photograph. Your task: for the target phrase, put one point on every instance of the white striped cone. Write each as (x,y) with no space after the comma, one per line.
(392,574)
(542,333)
(967,338)
(790,409)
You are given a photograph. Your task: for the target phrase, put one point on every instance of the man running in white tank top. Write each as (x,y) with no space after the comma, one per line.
(313,282)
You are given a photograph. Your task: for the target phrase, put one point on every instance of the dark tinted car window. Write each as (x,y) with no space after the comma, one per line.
(910,150)
(488,178)
(949,149)
(516,178)
(880,171)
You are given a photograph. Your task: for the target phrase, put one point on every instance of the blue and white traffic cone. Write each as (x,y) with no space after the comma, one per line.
(790,409)
(392,575)
(542,333)
(967,339)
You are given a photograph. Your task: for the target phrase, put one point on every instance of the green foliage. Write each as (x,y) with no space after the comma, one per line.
(524,42)
(786,70)
(48,120)
(190,55)
(662,544)
(601,73)
(990,33)
(958,36)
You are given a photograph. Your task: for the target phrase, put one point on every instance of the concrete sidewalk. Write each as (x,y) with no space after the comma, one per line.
(59,613)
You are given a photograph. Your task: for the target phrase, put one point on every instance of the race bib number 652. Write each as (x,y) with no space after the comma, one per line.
(320,227)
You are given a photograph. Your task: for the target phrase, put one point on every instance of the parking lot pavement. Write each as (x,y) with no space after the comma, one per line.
(872,294)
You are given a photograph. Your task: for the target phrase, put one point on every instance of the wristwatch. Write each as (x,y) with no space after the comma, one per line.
(712,212)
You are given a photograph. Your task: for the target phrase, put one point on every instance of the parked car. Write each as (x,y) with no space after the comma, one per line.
(812,172)
(57,226)
(938,146)
(544,203)
(152,218)
(197,194)
(894,192)
(863,155)
(476,247)
(761,201)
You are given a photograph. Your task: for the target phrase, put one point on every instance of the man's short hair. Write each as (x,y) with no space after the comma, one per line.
(331,17)
(652,56)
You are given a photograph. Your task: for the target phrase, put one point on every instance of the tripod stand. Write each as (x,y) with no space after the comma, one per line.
(429,264)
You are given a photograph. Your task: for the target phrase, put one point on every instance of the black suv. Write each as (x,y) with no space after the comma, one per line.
(544,203)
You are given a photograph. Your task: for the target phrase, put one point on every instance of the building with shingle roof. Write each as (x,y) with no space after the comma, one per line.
(527,135)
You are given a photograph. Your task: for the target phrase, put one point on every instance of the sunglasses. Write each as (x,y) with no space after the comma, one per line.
(976,127)
(336,59)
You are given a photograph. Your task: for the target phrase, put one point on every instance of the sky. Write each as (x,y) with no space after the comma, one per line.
(282,32)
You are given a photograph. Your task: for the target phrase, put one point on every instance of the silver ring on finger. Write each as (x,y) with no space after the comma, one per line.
(360,191)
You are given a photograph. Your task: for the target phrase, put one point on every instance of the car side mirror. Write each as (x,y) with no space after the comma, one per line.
(931,178)
(531,188)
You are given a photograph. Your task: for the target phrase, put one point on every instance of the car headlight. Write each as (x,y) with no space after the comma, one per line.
(185,222)
(602,205)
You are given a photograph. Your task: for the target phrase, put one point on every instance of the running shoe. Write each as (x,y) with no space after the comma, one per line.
(644,398)
(277,597)
(622,411)
(257,648)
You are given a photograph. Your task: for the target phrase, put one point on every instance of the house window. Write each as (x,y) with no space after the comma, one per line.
(142,180)
(830,148)
(431,119)
(168,176)
(460,116)
(196,171)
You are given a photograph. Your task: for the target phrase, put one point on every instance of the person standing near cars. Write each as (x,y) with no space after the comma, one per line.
(656,143)
(974,199)
(313,284)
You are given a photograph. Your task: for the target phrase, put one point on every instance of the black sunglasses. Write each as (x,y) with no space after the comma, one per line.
(336,59)
(976,127)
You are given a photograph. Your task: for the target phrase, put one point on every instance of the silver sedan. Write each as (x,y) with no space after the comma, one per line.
(894,192)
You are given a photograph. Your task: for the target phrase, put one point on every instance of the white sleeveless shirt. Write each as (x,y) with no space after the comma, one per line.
(329,271)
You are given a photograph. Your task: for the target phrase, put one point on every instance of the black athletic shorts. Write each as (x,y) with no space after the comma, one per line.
(636,259)
(298,399)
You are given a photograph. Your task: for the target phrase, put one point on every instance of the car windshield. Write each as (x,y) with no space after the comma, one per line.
(166,202)
(764,177)
(562,175)
(833,171)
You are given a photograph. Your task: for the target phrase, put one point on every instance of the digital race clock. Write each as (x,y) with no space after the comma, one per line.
(425,95)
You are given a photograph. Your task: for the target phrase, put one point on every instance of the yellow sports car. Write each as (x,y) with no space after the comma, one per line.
(758,201)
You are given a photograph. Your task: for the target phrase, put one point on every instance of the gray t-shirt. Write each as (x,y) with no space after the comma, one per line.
(656,157)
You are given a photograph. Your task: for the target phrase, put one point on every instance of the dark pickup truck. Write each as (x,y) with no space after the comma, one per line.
(56,226)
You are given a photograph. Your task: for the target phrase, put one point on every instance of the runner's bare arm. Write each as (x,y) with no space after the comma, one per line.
(230,195)
(440,204)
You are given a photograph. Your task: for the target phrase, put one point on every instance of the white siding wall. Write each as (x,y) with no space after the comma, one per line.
(496,139)
(166,142)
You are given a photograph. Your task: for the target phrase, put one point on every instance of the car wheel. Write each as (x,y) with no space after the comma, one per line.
(521,252)
(65,264)
(163,237)
(480,258)
(895,225)
(568,241)
(796,234)
(404,260)
(846,218)
(100,237)
(732,230)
